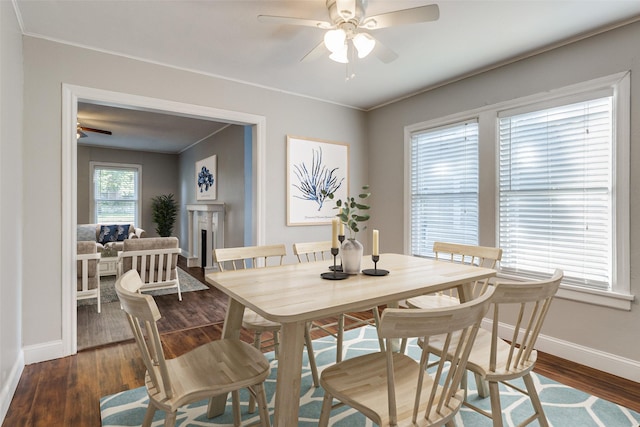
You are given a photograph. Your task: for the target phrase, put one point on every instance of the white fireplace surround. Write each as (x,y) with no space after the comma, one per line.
(208,217)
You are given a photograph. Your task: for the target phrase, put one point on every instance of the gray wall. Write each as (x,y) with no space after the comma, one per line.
(228,146)
(48,65)
(613,332)
(159,176)
(11,222)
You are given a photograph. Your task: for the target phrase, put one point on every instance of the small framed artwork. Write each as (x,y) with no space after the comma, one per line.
(207,178)
(315,169)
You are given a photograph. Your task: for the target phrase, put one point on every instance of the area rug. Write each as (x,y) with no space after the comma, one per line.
(564,406)
(188,283)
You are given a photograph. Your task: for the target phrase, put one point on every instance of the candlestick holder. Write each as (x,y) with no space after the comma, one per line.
(375,271)
(338,267)
(335,274)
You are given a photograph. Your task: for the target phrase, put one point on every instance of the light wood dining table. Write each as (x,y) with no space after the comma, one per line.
(295,294)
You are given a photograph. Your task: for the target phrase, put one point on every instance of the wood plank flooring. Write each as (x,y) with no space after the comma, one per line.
(66,391)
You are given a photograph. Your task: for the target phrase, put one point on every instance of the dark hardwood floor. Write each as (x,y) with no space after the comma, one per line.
(66,391)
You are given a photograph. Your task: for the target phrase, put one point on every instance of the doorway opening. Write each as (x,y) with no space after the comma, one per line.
(71,96)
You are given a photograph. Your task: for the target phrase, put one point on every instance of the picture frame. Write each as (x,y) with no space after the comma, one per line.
(314,165)
(207,178)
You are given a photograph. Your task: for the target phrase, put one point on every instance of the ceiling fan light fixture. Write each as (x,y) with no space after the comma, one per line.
(341,55)
(364,44)
(334,40)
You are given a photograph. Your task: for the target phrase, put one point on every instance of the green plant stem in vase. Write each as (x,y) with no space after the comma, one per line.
(353,212)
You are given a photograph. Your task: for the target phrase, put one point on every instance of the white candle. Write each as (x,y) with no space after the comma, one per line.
(334,232)
(376,243)
(341,228)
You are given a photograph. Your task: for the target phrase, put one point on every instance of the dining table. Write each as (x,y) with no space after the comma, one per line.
(295,294)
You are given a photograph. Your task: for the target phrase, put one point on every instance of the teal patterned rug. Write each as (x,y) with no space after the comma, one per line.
(564,406)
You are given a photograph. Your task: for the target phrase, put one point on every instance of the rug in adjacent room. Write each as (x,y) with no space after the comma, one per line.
(563,405)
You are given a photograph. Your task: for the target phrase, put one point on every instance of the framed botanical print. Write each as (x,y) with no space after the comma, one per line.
(315,169)
(207,178)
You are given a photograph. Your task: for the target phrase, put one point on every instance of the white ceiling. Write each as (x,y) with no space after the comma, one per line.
(225,39)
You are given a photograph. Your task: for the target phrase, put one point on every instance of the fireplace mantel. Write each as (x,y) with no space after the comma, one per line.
(208,217)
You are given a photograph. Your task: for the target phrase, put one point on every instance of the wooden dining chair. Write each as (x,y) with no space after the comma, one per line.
(256,257)
(212,369)
(523,305)
(482,256)
(393,389)
(316,251)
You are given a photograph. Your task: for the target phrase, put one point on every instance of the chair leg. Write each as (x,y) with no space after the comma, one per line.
(148,416)
(257,341)
(481,386)
(235,403)
(376,319)
(312,357)
(261,396)
(326,410)
(496,411)
(170,419)
(535,400)
(339,338)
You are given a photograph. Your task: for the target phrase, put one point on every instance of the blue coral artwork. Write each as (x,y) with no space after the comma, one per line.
(316,169)
(206,179)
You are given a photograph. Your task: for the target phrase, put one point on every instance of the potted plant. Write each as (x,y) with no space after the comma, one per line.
(353,212)
(165,212)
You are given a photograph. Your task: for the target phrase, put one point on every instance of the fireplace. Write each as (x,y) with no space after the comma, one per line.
(206,232)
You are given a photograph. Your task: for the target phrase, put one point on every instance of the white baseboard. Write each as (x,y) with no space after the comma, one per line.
(43,352)
(10,385)
(593,358)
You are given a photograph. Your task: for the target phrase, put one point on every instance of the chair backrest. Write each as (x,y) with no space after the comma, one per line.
(457,326)
(529,304)
(142,314)
(87,266)
(258,255)
(482,256)
(155,259)
(312,251)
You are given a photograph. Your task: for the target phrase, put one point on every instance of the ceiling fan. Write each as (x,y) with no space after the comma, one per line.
(80,131)
(348,26)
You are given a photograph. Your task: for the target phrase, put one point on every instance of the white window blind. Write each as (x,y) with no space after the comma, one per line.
(116,194)
(555,203)
(444,186)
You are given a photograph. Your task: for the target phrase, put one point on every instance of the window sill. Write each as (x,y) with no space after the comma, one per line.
(601,298)
(616,300)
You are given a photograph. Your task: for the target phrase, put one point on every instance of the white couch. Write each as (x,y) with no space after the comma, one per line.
(108,235)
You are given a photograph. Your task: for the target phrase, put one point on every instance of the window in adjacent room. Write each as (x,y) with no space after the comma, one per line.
(115,193)
(444,186)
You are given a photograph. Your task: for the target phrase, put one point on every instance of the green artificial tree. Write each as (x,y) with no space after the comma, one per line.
(165,212)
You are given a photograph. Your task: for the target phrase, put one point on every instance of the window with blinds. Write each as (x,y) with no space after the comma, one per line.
(555,190)
(444,186)
(116,193)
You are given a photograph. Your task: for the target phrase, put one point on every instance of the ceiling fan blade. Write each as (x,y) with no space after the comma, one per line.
(403,17)
(346,9)
(105,132)
(288,20)
(315,53)
(383,53)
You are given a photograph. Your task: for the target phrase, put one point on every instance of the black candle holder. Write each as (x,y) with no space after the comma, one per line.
(338,267)
(335,274)
(375,271)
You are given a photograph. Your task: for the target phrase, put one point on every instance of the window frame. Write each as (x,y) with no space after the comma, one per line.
(125,166)
(619,297)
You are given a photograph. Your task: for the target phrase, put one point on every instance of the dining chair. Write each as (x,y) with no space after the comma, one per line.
(392,388)
(212,369)
(316,251)
(482,256)
(256,257)
(524,306)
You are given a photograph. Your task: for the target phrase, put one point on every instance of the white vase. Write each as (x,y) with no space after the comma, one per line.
(351,254)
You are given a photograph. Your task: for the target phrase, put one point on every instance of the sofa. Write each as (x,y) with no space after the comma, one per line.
(109,236)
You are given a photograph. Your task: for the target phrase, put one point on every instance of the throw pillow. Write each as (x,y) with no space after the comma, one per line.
(86,232)
(113,233)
